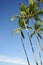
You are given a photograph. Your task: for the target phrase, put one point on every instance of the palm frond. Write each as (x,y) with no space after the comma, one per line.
(32,34)
(22,34)
(29,27)
(17,30)
(41,0)
(21,22)
(37,27)
(37,18)
(39,35)
(40,12)
(41,23)
(22,7)
(13,17)
(41,29)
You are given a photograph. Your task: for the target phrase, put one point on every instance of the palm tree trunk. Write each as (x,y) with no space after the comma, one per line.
(25,51)
(39,49)
(31,45)
(33,50)
(40,44)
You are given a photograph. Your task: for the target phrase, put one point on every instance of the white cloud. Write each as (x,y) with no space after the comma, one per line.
(12,60)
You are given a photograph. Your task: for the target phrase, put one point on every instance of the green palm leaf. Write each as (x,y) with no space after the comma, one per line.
(41,23)
(22,7)
(41,32)
(18,31)
(37,18)
(41,11)
(22,34)
(28,27)
(13,17)
(32,34)
(39,35)
(21,22)
(41,29)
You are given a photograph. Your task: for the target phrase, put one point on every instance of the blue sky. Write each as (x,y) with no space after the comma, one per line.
(11,50)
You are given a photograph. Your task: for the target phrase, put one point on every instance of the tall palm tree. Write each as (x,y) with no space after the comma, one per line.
(31,12)
(26,10)
(27,13)
(37,29)
(19,31)
(23,24)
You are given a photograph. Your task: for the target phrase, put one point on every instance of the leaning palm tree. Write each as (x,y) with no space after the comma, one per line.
(23,24)
(19,31)
(23,20)
(31,12)
(37,29)
(27,13)
(27,16)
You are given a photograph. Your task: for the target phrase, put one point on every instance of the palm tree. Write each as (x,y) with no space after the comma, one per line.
(26,10)
(33,13)
(37,29)
(23,24)
(19,31)
(27,13)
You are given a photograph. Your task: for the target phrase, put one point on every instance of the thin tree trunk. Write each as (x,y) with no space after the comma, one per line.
(31,45)
(25,51)
(33,50)
(40,44)
(39,49)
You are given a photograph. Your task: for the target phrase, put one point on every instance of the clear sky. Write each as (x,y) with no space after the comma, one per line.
(11,50)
